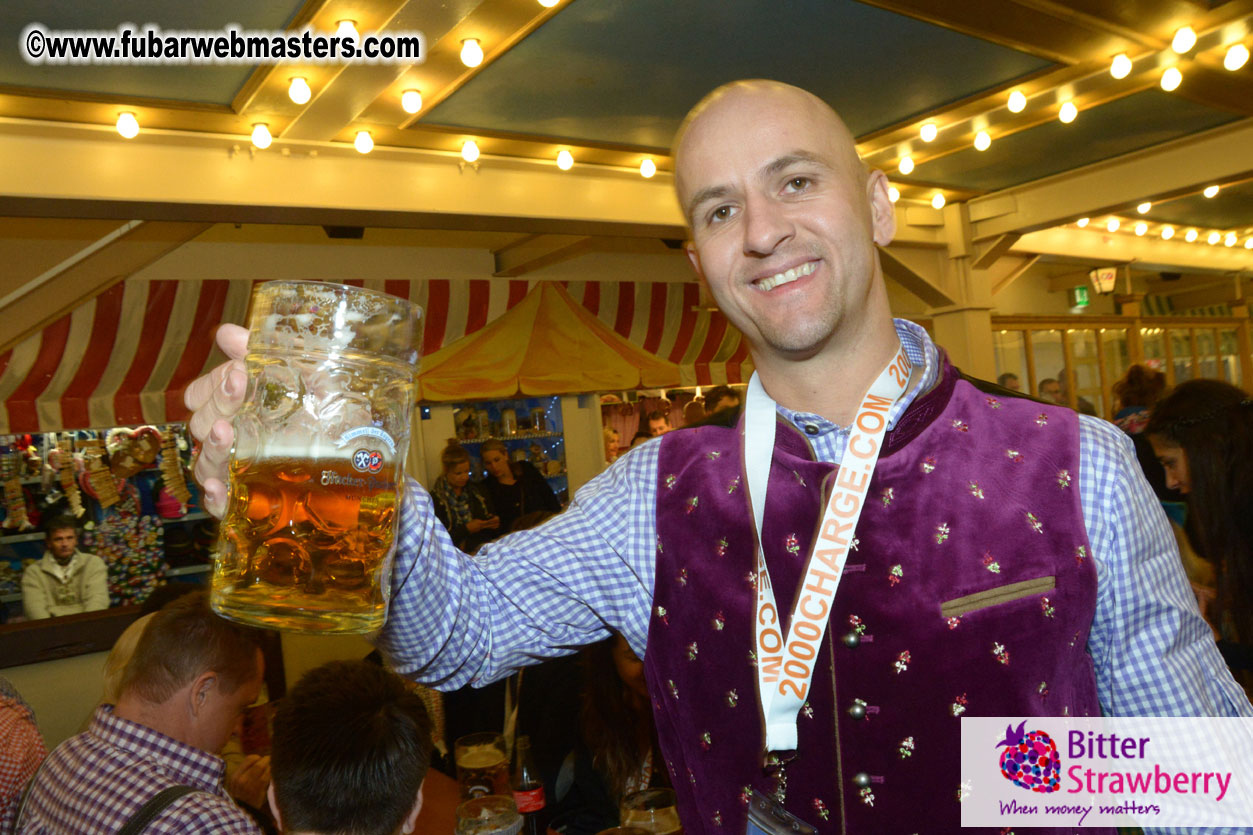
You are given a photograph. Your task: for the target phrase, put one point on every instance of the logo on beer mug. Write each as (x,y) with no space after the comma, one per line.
(367,461)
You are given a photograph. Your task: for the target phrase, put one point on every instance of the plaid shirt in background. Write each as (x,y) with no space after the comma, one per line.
(21,750)
(96,781)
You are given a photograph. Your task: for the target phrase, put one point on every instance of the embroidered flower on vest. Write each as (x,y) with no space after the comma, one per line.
(1046,607)
(1063,479)
(990,563)
(1002,654)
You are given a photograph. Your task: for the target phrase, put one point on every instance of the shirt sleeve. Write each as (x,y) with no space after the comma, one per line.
(95,585)
(1154,654)
(34,600)
(457,620)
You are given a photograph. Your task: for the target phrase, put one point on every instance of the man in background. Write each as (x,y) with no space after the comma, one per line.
(66,581)
(183,693)
(1009,381)
(351,748)
(721,397)
(1051,391)
(657,424)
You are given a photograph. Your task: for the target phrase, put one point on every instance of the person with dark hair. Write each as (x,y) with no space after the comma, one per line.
(639,438)
(1137,392)
(1009,381)
(1203,436)
(515,487)
(1050,391)
(461,504)
(66,581)
(657,423)
(351,748)
(183,693)
(721,397)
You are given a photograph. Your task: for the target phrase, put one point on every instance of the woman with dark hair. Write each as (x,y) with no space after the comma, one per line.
(461,504)
(1138,392)
(515,487)
(1203,436)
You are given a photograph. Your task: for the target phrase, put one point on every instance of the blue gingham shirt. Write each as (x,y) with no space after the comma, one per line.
(458,620)
(95,782)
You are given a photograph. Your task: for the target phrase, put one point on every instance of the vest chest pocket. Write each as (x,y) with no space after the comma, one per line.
(994,597)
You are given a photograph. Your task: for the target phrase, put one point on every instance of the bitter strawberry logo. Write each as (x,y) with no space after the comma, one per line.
(367,461)
(1030,759)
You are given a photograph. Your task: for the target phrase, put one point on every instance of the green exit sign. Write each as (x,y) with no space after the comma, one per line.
(1079,296)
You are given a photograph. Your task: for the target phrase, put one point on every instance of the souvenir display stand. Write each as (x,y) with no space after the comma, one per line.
(131,492)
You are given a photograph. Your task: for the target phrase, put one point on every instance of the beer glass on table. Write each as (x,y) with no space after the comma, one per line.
(652,810)
(488,815)
(317,467)
(482,764)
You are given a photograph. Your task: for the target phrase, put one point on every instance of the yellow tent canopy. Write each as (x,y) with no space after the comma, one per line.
(547,344)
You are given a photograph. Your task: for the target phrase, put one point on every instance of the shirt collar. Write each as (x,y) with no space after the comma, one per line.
(921,352)
(181,761)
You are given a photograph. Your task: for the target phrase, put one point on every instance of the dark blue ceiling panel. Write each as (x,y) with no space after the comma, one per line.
(211,84)
(1231,208)
(626,71)
(1119,127)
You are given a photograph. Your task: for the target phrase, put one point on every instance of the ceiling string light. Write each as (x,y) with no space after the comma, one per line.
(1184,40)
(1171,79)
(1144,207)
(1113,224)
(894,193)
(299,91)
(411,101)
(937,202)
(1213,238)
(1168,232)
(261,136)
(1141,228)
(127,125)
(1210,191)
(1230,240)
(1120,67)
(470,151)
(1068,112)
(928,132)
(471,52)
(1190,236)
(1017,101)
(906,165)
(347,29)
(982,141)
(1237,56)
(364,143)
(1082,222)
(647,169)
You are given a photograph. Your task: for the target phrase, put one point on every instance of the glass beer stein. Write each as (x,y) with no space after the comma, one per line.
(316,471)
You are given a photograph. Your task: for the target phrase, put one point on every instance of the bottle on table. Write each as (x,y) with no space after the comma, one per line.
(528,790)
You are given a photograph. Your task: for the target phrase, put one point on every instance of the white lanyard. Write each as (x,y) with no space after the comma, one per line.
(785,668)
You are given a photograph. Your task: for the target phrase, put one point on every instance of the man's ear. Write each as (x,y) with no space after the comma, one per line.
(693,258)
(202,687)
(882,210)
(412,820)
(269,795)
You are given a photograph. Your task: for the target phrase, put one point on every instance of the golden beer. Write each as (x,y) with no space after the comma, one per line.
(317,463)
(482,767)
(309,536)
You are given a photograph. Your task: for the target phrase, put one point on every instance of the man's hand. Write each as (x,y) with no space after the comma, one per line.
(248,781)
(214,399)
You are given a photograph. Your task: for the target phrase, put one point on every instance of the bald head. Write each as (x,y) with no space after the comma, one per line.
(718,118)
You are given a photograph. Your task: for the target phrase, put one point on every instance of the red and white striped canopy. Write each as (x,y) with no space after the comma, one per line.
(124,357)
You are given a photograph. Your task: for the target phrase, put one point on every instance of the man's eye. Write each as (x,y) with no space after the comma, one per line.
(798,183)
(720,214)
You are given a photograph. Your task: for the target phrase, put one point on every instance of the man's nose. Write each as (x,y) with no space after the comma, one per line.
(766,225)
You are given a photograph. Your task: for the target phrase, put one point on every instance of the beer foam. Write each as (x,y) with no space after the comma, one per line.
(480,756)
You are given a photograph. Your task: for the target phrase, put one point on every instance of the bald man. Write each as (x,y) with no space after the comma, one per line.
(964,531)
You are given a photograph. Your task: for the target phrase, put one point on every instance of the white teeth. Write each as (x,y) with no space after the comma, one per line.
(787,277)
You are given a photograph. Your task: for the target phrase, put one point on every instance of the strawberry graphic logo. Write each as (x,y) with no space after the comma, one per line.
(1030,759)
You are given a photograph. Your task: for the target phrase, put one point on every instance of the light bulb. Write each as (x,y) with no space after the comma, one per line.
(1120,67)
(299,91)
(937,202)
(1237,56)
(1141,228)
(928,132)
(1068,112)
(127,125)
(1210,191)
(1230,240)
(906,165)
(1248,243)
(347,29)
(1213,238)
(1144,207)
(471,52)
(565,160)
(470,151)
(548,4)
(894,193)
(261,136)
(1190,236)
(1171,79)
(411,101)
(1168,232)
(1017,101)
(647,169)
(1113,224)
(982,141)
(1082,222)
(1184,40)
(364,143)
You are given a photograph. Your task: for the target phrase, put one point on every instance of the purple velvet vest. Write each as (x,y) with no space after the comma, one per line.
(970,591)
